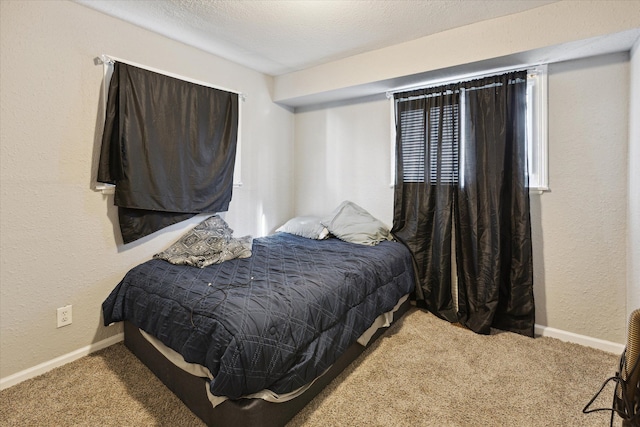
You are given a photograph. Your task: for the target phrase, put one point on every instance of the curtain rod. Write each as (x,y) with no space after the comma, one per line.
(462,78)
(108,59)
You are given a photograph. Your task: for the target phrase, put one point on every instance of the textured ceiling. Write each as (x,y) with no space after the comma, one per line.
(276,37)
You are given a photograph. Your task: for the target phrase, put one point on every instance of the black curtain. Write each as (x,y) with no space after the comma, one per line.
(473,179)
(424,191)
(169,147)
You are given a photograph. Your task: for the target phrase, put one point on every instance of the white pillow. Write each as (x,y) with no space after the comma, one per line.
(352,223)
(305,226)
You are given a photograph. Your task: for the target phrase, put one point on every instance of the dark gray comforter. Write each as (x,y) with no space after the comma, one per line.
(273,321)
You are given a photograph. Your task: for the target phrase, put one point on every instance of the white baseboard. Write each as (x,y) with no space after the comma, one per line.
(608,346)
(45,367)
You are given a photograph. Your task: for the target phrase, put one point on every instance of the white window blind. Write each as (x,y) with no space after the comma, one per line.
(442,151)
(413,153)
(443,155)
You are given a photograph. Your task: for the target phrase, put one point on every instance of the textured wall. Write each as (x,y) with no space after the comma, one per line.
(57,236)
(578,228)
(633,209)
(581,280)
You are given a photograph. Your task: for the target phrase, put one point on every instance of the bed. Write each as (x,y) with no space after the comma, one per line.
(251,340)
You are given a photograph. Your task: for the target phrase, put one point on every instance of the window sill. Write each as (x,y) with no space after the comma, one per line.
(105,188)
(539,190)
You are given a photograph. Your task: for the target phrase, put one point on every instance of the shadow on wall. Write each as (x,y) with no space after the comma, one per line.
(538,259)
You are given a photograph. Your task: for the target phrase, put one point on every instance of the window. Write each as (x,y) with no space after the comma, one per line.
(107,69)
(447,154)
(443,156)
(169,146)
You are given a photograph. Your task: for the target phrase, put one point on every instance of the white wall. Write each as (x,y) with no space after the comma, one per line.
(581,277)
(342,152)
(633,209)
(58,238)
(579,227)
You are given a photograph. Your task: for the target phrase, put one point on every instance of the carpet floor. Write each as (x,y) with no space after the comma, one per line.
(421,372)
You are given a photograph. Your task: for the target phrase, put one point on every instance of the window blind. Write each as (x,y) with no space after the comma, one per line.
(430,151)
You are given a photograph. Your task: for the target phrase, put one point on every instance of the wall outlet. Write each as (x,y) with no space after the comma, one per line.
(64,316)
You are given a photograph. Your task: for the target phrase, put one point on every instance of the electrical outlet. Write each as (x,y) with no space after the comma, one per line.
(64,316)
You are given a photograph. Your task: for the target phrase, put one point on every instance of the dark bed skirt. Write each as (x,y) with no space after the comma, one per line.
(242,412)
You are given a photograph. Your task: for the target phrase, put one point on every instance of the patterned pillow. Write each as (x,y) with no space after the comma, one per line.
(210,242)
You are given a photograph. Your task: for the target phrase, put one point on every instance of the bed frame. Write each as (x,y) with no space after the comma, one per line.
(242,412)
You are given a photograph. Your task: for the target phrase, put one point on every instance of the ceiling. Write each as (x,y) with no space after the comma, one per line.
(277,37)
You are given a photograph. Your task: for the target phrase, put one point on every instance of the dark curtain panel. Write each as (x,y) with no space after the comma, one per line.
(493,238)
(169,146)
(461,159)
(426,171)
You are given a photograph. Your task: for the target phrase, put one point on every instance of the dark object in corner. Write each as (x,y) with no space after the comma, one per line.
(626,398)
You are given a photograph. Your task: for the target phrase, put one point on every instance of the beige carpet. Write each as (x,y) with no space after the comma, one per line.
(422,372)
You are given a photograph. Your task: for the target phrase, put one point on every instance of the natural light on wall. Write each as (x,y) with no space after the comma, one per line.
(536,110)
